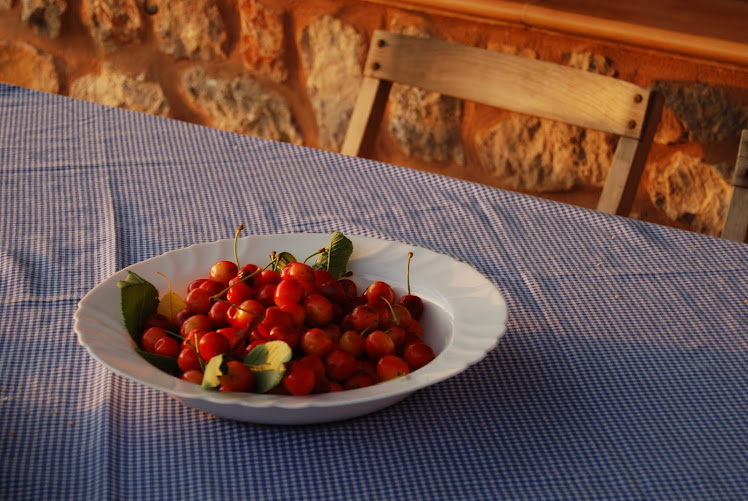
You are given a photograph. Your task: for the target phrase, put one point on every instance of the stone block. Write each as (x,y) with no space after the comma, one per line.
(112,23)
(424,124)
(190,29)
(261,40)
(690,191)
(537,155)
(332,55)
(113,88)
(241,104)
(44,16)
(25,65)
(700,112)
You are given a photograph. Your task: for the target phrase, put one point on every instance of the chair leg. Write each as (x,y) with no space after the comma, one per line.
(366,117)
(628,164)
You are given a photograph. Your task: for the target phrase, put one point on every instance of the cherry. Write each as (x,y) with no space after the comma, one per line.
(200,322)
(296,312)
(299,379)
(238,292)
(274,316)
(398,335)
(188,359)
(315,363)
(339,365)
(212,344)
(288,334)
(318,310)
(315,341)
(390,367)
(238,377)
(217,314)
(167,346)
(195,284)
(379,344)
(418,354)
(193,376)
(349,287)
(378,291)
(360,380)
(266,294)
(150,337)
(288,291)
(323,277)
(223,271)
(413,303)
(198,301)
(213,287)
(246,315)
(364,317)
(352,342)
(299,271)
(269,277)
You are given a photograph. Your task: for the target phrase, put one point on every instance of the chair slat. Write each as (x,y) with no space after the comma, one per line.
(510,82)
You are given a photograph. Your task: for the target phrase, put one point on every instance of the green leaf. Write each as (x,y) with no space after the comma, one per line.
(215,367)
(139,300)
(166,364)
(258,356)
(335,258)
(267,380)
(268,364)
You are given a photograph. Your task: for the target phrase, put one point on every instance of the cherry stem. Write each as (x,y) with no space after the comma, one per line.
(236,239)
(407,273)
(392,311)
(217,297)
(316,253)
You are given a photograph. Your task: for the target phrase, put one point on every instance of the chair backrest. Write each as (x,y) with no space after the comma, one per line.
(736,221)
(518,84)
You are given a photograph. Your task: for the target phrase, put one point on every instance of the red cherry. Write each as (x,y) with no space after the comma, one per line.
(390,367)
(288,291)
(379,344)
(238,377)
(299,379)
(167,346)
(223,271)
(339,365)
(315,341)
(378,291)
(212,344)
(418,354)
(150,337)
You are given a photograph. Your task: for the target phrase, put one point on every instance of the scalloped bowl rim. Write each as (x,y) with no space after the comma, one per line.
(470,304)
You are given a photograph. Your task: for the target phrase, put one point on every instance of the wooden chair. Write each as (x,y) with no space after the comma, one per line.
(736,221)
(518,84)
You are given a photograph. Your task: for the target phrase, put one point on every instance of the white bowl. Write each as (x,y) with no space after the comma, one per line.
(465,316)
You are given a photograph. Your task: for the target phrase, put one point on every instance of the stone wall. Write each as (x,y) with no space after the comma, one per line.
(289,70)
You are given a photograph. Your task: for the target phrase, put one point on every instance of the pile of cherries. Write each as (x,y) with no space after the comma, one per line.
(340,339)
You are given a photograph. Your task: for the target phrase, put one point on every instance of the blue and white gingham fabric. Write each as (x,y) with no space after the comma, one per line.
(623,374)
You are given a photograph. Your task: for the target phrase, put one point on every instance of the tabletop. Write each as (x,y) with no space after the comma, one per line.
(623,373)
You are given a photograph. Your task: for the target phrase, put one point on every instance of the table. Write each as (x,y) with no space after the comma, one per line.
(623,373)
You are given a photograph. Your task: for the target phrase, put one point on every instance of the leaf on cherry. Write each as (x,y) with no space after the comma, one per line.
(139,300)
(215,367)
(335,259)
(268,363)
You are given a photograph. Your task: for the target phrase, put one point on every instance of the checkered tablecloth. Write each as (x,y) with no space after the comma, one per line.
(623,373)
